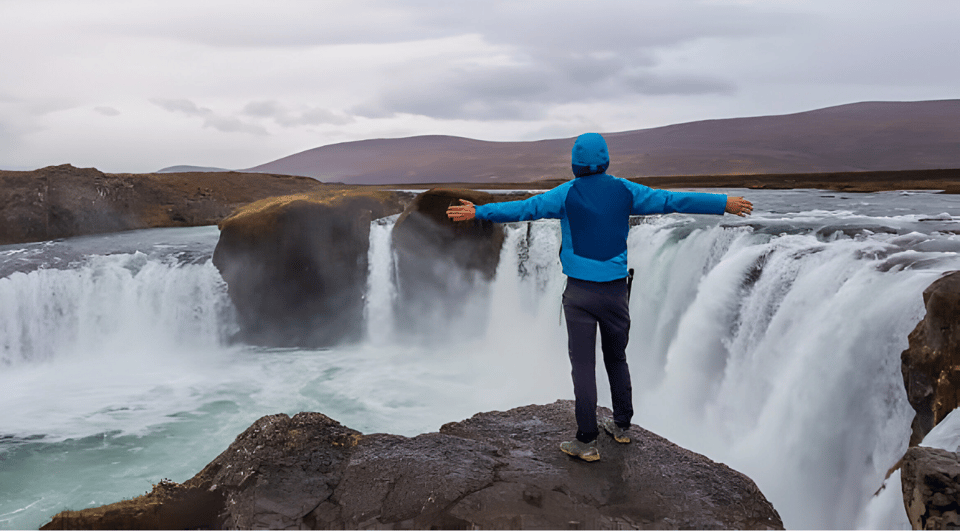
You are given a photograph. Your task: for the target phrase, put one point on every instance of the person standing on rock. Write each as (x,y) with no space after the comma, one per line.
(594,210)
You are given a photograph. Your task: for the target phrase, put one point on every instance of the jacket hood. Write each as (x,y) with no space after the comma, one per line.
(589,155)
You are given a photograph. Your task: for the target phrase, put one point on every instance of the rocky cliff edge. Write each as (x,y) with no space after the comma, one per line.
(494,470)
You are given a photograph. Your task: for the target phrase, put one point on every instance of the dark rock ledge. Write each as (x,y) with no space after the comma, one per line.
(930,477)
(931,363)
(931,488)
(494,470)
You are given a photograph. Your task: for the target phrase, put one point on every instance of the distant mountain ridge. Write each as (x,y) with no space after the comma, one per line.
(854,137)
(186,168)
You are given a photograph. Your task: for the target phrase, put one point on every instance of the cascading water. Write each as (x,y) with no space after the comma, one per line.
(769,343)
(783,360)
(103,322)
(107,303)
(381,283)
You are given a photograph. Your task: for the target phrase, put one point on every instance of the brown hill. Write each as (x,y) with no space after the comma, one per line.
(63,201)
(870,136)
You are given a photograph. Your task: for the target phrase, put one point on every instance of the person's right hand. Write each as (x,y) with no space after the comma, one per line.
(738,206)
(465,211)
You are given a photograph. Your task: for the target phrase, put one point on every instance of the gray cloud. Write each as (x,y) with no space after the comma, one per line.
(287,23)
(556,53)
(527,92)
(544,24)
(316,116)
(181,105)
(226,124)
(285,117)
(580,53)
(107,111)
(635,29)
(485,93)
(656,85)
(229,124)
(263,109)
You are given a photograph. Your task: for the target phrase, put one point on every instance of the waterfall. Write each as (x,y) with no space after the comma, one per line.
(381,282)
(113,303)
(780,356)
(108,343)
(770,345)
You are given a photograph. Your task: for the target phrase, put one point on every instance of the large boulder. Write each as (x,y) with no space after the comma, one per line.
(296,266)
(494,470)
(931,363)
(930,478)
(63,201)
(440,263)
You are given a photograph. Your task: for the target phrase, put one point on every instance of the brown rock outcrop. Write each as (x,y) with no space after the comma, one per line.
(930,478)
(439,262)
(494,470)
(296,266)
(63,201)
(931,363)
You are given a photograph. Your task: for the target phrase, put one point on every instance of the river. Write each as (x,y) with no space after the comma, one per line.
(770,343)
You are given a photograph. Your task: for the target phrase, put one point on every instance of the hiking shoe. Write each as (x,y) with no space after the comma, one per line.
(576,448)
(619,434)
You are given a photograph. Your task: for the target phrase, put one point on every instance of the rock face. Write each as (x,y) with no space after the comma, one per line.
(439,262)
(63,201)
(494,470)
(296,266)
(931,363)
(931,488)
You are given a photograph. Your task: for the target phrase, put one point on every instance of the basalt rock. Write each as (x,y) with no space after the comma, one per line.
(60,201)
(296,266)
(494,470)
(439,262)
(931,363)
(930,478)
(63,201)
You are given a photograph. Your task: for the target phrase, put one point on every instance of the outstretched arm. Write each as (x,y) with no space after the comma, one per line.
(465,211)
(739,206)
(539,206)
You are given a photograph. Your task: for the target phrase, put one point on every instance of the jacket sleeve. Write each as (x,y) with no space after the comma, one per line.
(546,205)
(648,200)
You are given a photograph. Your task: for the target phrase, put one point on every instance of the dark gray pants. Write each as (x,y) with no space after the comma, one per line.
(587,306)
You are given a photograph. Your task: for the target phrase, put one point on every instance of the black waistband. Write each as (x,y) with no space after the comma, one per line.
(594,283)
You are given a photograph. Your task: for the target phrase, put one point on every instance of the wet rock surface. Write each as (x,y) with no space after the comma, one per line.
(296,266)
(494,470)
(930,479)
(931,363)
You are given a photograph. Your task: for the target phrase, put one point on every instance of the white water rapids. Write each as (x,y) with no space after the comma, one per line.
(771,344)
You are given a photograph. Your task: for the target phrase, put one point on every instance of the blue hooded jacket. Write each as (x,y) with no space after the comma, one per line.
(594,210)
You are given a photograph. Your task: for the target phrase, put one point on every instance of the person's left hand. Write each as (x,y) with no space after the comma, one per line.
(739,206)
(465,211)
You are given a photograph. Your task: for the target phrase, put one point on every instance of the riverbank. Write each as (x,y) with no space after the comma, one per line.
(946,180)
(64,201)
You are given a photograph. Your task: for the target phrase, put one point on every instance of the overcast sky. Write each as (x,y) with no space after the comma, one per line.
(131,86)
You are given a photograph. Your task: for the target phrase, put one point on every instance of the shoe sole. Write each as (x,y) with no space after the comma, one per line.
(588,458)
(622,440)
